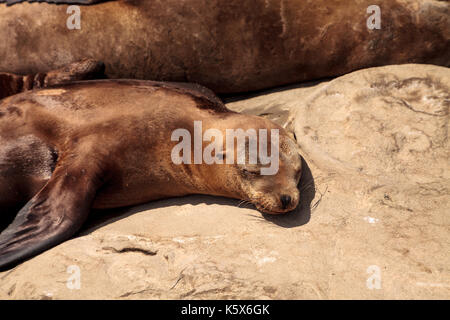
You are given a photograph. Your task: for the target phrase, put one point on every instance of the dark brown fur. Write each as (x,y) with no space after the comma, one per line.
(226,45)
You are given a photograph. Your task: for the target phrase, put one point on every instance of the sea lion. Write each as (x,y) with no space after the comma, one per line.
(227,45)
(108,143)
(86,69)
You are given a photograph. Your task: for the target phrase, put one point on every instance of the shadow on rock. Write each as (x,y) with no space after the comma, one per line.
(233,97)
(99,218)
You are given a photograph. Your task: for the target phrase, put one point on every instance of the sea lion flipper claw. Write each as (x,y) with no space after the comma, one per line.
(53,215)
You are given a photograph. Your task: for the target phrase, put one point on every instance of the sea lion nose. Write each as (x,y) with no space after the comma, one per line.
(285,200)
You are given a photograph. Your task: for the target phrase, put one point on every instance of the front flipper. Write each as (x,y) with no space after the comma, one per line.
(11,2)
(55,214)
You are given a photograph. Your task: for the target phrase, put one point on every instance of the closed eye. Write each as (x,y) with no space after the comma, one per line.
(246,171)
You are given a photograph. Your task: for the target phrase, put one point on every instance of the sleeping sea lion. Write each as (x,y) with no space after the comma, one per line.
(110,143)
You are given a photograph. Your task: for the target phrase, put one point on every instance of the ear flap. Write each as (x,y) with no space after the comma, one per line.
(55,214)
(11,2)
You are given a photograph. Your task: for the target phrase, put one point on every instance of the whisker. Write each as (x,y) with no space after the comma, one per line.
(248,203)
(243,203)
(240,203)
(307,186)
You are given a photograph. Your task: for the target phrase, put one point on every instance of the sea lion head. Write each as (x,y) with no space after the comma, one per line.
(244,157)
(269,183)
(274,193)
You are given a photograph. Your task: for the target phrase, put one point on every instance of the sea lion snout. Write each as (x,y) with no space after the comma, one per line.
(278,204)
(288,201)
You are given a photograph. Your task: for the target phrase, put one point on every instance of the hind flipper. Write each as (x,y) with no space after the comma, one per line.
(53,215)
(86,69)
(11,2)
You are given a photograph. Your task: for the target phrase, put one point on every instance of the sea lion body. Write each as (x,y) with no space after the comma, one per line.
(108,143)
(227,45)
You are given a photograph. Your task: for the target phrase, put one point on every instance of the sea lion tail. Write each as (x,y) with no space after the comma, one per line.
(53,215)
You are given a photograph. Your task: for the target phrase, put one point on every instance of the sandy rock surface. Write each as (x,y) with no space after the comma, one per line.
(373,222)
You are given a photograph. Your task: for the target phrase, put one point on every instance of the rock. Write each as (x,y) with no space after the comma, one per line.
(373,221)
